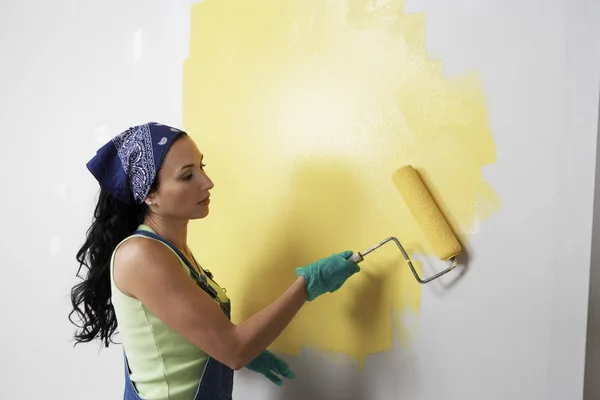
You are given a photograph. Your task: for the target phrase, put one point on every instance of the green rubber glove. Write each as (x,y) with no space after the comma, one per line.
(271,366)
(327,274)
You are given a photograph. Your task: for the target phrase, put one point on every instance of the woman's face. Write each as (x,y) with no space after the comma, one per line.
(184,186)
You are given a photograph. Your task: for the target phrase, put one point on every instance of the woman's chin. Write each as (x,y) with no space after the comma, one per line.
(201,214)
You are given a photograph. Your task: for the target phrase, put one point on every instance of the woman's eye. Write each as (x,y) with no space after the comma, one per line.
(187,177)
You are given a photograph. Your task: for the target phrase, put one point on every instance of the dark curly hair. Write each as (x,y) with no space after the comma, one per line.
(91,298)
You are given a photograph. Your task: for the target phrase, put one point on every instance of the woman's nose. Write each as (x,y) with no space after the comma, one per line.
(207,183)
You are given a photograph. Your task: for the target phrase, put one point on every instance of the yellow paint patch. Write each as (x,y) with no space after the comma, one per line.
(303,109)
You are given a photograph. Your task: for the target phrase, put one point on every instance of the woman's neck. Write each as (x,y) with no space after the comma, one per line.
(174,231)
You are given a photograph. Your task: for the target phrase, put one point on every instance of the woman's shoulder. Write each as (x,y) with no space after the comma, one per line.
(138,257)
(136,250)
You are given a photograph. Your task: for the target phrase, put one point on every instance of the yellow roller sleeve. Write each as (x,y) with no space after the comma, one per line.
(427,214)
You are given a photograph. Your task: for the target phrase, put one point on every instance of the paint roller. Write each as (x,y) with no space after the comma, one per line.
(430,220)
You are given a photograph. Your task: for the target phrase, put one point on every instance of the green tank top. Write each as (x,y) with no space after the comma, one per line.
(164,365)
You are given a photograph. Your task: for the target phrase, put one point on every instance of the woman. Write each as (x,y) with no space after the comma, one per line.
(173,318)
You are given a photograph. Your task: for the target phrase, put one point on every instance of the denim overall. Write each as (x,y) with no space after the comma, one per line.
(216,382)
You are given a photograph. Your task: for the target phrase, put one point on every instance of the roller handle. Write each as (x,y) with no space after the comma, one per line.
(356,257)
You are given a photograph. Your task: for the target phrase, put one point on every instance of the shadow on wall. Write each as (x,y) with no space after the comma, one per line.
(328,379)
(323,380)
(331,378)
(431,265)
(317,378)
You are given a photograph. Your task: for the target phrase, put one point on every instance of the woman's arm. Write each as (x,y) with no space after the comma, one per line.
(260,330)
(150,272)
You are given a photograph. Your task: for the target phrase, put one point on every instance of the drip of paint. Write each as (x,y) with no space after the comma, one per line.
(303,110)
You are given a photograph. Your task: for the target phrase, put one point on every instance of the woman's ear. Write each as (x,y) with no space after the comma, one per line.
(149,199)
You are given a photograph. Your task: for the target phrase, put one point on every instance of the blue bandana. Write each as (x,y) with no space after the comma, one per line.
(127,165)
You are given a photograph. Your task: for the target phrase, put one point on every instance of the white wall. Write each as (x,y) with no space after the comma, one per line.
(514,327)
(72,73)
